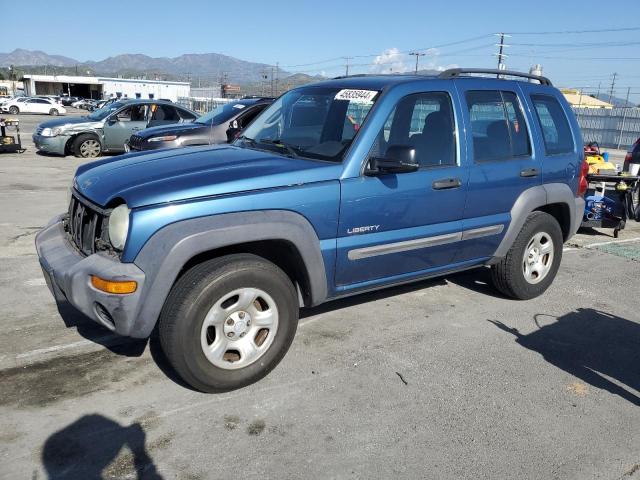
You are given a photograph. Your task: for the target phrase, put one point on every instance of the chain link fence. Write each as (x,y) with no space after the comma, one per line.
(611,128)
(202,105)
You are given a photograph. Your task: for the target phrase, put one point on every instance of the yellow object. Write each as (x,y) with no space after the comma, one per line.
(111,286)
(598,165)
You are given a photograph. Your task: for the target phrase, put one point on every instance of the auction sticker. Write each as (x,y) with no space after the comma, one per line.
(356,96)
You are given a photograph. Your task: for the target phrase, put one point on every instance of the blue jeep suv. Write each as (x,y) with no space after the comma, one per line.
(339,187)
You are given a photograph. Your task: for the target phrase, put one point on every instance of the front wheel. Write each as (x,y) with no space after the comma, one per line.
(87,146)
(53,112)
(532,261)
(13,110)
(228,322)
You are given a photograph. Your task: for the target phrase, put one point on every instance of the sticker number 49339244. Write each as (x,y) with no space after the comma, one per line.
(356,96)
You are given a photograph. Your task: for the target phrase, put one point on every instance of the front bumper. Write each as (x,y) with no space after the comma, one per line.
(68,276)
(51,144)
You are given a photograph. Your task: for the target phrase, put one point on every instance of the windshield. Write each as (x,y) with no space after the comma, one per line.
(104,112)
(311,122)
(221,114)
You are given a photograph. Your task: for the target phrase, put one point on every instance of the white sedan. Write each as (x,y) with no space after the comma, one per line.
(34,105)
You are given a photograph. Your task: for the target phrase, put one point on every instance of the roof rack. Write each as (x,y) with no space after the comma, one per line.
(457,72)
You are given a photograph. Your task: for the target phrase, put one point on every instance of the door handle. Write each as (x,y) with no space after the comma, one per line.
(529,172)
(135,129)
(446,183)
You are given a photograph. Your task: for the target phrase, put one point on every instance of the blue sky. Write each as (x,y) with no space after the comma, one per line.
(378,33)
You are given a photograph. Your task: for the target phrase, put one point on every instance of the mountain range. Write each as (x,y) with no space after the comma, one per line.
(191,65)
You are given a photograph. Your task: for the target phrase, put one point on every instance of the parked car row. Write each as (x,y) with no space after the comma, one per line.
(136,125)
(39,104)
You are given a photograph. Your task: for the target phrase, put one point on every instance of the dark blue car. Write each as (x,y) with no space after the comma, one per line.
(337,188)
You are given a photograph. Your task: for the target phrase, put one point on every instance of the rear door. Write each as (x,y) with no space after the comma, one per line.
(396,226)
(503,162)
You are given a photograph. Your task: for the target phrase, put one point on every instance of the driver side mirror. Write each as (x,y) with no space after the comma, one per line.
(112,119)
(398,159)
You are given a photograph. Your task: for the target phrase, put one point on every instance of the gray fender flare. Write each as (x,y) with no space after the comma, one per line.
(536,197)
(170,248)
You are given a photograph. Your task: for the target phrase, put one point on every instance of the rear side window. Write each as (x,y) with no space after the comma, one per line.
(554,125)
(498,126)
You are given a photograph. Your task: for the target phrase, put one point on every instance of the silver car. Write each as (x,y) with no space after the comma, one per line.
(107,129)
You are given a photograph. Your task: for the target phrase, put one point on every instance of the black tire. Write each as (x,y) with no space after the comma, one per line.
(54,112)
(194,294)
(13,110)
(84,146)
(508,275)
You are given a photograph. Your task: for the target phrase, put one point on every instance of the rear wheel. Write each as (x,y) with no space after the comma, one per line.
(228,322)
(53,112)
(13,110)
(87,146)
(532,261)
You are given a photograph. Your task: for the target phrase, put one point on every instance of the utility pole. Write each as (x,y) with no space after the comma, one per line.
(417,55)
(613,84)
(277,73)
(624,117)
(501,55)
(272,75)
(347,65)
(598,92)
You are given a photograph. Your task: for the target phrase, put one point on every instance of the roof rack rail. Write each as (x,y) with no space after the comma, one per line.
(457,72)
(340,77)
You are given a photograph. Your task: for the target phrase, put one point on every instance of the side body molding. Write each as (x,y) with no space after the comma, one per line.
(169,249)
(534,198)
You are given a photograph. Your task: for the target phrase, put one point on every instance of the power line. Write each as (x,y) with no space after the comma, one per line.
(563,32)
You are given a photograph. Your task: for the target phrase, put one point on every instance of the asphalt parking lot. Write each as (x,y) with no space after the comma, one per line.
(441,379)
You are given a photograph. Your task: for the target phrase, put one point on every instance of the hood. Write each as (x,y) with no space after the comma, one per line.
(173,129)
(162,176)
(73,122)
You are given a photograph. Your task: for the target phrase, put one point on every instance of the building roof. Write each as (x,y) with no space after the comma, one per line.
(95,80)
(582,100)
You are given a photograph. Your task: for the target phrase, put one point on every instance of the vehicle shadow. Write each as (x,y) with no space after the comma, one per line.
(477,280)
(590,345)
(361,298)
(87,328)
(88,446)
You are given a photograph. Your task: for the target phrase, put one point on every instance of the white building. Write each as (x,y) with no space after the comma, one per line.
(104,87)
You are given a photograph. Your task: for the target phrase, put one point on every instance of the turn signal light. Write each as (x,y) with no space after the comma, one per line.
(111,286)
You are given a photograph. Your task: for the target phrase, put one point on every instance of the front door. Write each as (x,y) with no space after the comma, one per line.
(503,163)
(396,226)
(124,123)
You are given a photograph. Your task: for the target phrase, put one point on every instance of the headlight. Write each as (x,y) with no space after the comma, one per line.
(166,138)
(119,226)
(51,132)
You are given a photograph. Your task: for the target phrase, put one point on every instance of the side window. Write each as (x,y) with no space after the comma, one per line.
(185,115)
(498,126)
(248,117)
(424,121)
(554,125)
(164,113)
(134,113)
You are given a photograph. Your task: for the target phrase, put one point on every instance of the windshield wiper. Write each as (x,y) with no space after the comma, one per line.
(279,143)
(244,138)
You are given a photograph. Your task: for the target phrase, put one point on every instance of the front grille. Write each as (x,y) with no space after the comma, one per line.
(135,142)
(86,225)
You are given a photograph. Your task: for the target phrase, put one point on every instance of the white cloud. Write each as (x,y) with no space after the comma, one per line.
(390,61)
(393,60)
